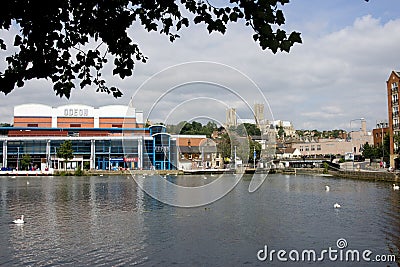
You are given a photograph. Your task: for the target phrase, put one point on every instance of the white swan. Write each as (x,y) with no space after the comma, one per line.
(396,187)
(19,221)
(336,205)
(327,188)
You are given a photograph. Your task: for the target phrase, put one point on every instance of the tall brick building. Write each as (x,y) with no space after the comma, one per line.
(393,111)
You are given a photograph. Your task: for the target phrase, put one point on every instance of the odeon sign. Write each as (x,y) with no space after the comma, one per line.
(76,112)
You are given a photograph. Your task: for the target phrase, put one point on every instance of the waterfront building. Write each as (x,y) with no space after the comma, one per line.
(382,128)
(287,153)
(108,137)
(197,152)
(392,87)
(314,147)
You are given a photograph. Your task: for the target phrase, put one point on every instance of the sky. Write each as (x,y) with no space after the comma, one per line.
(337,76)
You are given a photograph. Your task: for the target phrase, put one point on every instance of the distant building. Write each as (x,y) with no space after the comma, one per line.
(287,126)
(287,153)
(392,86)
(231,119)
(320,147)
(198,150)
(382,128)
(259,114)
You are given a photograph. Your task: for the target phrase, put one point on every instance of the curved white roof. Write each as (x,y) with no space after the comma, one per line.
(33,110)
(77,110)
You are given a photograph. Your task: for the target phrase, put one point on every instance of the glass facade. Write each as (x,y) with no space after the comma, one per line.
(158,152)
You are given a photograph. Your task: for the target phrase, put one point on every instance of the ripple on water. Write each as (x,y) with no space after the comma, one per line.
(109,221)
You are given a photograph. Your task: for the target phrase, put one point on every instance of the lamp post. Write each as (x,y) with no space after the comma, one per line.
(17,158)
(235,157)
(383,147)
(109,157)
(55,154)
(254,157)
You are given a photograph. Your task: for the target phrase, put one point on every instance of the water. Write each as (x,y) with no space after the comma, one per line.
(109,221)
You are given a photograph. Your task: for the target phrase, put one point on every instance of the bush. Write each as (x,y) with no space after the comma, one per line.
(79,172)
(326,167)
(86,165)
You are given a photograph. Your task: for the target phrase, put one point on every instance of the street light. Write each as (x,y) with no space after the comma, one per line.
(17,158)
(235,157)
(109,157)
(55,155)
(383,147)
(254,157)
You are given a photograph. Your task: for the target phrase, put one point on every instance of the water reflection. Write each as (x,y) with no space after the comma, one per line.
(109,221)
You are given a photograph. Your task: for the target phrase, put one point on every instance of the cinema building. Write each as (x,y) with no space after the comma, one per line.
(108,137)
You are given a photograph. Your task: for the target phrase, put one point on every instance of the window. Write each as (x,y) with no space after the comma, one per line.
(395,99)
(301,148)
(318,147)
(395,111)
(75,125)
(33,125)
(307,149)
(312,147)
(116,125)
(394,86)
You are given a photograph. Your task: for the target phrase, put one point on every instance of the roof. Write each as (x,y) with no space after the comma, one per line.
(289,150)
(189,149)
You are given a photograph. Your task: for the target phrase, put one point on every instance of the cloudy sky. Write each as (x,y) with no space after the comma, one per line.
(337,75)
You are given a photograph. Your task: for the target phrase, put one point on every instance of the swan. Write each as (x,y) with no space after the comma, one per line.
(336,205)
(396,187)
(327,188)
(19,221)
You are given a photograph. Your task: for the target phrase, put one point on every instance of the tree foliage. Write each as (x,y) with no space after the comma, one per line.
(65,151)
(70,41)
(194,127)
(377,152)
(25,161)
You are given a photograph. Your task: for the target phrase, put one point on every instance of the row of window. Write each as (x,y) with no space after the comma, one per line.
(79,147)
(307,148)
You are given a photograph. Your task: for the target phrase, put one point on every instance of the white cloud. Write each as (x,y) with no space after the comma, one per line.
(323,83)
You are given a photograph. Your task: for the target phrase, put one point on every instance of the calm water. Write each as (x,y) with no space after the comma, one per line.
(109,221)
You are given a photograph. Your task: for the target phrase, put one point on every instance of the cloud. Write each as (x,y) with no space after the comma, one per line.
(333,77)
